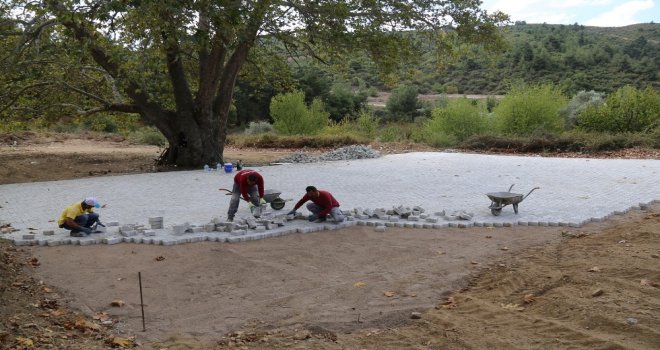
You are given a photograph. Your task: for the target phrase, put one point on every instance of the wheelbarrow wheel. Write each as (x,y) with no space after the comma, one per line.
(496,211)
(277,203)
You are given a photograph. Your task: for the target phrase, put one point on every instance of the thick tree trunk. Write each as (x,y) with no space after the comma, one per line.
(190,145)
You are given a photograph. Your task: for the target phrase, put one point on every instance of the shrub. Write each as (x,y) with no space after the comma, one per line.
(397,132)
(579,103)
(148,136)
(460,119)
(625,110)
(366,124)
(258,128)
(403,103)
(526,109)
(293,117)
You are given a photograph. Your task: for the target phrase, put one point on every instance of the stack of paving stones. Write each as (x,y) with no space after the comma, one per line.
(273,225)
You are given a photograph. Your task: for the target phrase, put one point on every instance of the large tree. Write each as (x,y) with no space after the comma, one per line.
(176,62)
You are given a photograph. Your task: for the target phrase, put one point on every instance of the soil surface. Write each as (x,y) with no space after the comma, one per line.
(503,288)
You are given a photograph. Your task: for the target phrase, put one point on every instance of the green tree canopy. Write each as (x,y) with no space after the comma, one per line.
(176,62)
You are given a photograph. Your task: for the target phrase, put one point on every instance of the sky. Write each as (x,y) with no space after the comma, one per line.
(598,13)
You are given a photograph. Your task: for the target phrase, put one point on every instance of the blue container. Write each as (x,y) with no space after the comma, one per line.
(229,167)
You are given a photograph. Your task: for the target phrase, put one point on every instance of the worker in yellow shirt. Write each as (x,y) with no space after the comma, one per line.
(80,217)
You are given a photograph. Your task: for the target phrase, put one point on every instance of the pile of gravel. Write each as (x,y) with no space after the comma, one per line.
(344,153)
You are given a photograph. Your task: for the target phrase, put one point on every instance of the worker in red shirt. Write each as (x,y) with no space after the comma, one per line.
(248,184)
(323,203)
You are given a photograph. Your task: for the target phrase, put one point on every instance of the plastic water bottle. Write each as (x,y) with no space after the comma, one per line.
(218,167)
(206,168)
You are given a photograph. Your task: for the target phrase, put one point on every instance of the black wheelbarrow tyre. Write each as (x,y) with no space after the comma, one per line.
(496,211)
(277,203)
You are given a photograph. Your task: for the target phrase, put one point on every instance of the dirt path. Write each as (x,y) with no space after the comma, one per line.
(500,288)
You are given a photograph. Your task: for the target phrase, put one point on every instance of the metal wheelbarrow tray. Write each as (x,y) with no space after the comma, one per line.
(500,200)
(273,197)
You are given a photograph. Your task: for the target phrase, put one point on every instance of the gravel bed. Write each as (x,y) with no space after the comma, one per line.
(343,153)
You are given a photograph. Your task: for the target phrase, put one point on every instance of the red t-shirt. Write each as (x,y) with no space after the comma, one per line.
(241,179)
(325,200)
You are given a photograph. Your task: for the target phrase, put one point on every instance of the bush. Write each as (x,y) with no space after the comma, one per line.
(403,103)
(258,128)
(148,136)
(625,110)
(460,119)
(397,132)
(292,117)
(366,124)
(579,103)
(527,109)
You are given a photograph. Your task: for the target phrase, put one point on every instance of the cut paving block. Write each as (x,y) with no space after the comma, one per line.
(28,237)
(413,218)
(112,223)
(129,233)
(48,232)
(209,227)
(379,229)
(179,229)
(431,220)
(54,242)
(149,233)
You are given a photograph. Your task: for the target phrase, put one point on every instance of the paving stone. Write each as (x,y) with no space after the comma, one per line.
(597,178)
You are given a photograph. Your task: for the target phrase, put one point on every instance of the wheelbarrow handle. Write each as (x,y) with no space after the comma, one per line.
(509,190)
(229,193)
(535,188)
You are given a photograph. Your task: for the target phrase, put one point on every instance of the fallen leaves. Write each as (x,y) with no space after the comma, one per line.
(594,269)
(83,325)
(160,258)
(389,294)
(448,304)
(359,284)
(34,262)
(122,342)
(117,303)
(648,282)
(22,341)
(529,298)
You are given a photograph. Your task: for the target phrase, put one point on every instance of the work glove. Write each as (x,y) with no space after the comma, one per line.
(262,201)
(312,217)
(86,230)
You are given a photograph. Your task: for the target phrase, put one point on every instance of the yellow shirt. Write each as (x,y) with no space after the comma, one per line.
(72,211)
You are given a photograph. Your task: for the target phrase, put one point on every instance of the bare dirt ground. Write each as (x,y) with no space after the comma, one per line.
(503,288)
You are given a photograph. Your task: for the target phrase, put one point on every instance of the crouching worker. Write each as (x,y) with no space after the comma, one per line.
(323,203)
(248,184)
(79,217)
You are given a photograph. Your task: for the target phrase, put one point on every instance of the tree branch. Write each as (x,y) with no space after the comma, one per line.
(19,93)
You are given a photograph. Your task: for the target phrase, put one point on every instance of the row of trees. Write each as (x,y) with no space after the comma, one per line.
(524,111)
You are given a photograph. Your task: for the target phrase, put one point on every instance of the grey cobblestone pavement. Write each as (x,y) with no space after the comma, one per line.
(572,192)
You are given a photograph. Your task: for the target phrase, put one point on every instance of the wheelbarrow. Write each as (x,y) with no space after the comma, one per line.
(500,200)
(271,197)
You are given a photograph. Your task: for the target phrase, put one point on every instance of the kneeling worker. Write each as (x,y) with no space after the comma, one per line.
(80,218)
(323,203)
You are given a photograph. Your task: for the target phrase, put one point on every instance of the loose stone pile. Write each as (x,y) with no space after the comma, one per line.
(343,153)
